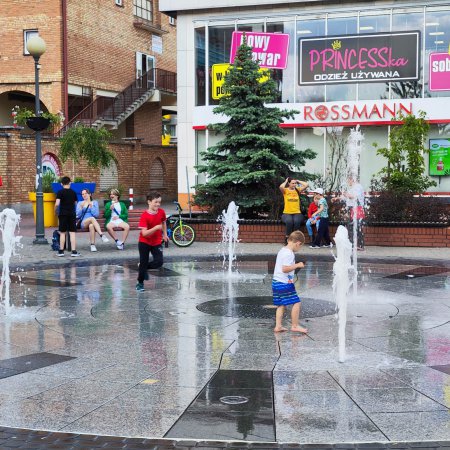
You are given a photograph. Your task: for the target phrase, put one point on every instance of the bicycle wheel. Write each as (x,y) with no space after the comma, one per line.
(183,237)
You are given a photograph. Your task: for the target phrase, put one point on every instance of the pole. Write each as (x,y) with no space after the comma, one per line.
(131,198)
(188,192)
(40,230)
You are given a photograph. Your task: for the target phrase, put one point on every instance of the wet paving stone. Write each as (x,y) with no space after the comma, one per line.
(27,363)
(417,272)
(146,361)
(445,368)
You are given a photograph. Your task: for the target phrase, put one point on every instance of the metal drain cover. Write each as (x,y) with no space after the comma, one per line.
(234,400)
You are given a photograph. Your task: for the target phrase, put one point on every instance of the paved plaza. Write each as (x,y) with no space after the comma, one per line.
(193,360)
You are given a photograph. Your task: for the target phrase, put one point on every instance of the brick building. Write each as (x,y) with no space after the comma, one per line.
(96,52)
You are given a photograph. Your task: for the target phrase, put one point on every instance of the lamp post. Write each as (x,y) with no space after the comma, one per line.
(36,48)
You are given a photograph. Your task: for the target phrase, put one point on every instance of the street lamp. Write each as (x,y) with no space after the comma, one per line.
(36,48)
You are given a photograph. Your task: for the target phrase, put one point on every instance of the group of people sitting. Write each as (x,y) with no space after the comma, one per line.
(115,213)
(294,217)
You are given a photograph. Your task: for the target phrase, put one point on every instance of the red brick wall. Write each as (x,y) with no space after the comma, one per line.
(381,236)
(147,123)
(17,69)
(18,166)
(103,42)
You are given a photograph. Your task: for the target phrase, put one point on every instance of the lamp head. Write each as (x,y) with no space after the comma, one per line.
(36,46)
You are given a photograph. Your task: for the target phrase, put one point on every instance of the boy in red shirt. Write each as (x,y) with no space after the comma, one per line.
(153,230)
(311,210)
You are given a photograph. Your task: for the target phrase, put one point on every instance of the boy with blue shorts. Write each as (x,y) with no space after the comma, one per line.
(283,288)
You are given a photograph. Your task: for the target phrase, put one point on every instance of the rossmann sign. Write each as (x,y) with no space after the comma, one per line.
(359,58)
(344,113)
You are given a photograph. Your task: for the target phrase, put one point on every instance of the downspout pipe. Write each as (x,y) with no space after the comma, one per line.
(64,60)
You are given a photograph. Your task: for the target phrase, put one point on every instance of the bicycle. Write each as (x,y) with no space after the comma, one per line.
(181,234)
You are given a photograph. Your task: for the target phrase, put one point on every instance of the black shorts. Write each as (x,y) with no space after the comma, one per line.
(67,223)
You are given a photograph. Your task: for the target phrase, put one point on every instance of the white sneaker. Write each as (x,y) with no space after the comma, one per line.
(331,245)
(120,247)
(93,248)
(104,238)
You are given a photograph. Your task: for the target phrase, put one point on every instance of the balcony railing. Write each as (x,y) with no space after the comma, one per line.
(110,108)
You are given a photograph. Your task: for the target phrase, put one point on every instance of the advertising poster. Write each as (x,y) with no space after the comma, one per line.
(361,58)
(439,157)
(269,49)
(439,72)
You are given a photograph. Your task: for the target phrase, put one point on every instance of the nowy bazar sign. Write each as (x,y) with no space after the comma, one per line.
(269,49)
(360,58)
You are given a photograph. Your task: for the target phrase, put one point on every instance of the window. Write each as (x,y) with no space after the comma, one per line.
(119,2)
(143,9)
(200,66)
(172,21)
(27,34)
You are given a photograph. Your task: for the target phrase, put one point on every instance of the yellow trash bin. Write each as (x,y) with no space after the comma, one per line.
(50,219)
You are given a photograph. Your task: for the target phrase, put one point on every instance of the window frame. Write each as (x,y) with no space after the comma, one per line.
(27,34)
(143,7)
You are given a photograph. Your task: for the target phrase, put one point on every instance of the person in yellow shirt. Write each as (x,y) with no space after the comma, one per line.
(292,216)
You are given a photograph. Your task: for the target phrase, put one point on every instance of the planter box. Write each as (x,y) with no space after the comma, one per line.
(50,218)
(395,235)
(77,187)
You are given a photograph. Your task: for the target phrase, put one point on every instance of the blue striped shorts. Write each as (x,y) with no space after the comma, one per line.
(284,293)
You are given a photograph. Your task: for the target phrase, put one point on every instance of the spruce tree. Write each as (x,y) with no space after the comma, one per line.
(253,158)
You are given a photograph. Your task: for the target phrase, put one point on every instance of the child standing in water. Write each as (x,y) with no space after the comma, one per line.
(283,287)
(153,231)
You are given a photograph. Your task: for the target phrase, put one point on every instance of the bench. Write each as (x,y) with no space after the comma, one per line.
(133,221)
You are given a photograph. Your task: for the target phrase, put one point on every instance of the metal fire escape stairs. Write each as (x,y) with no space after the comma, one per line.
(110,112)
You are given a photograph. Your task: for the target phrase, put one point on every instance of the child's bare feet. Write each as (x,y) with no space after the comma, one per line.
(299,329)
(279,329)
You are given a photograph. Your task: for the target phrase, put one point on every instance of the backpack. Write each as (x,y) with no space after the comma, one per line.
(55,241)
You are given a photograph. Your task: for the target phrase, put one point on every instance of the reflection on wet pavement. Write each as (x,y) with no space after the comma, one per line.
(195,356)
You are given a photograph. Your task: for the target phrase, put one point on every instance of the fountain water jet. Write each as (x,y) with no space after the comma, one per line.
(354,193)
(341,282)
(230,232)
(9,221)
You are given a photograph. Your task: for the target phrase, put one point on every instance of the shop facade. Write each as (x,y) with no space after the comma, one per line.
(344,64)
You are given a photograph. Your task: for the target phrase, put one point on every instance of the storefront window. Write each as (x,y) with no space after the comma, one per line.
(200,98)
(284,78)
(306,29)
(255,27)
(407,20)
(437,38)
(219,50)
(341,26)
(375,22)
(312,138)
(337,25)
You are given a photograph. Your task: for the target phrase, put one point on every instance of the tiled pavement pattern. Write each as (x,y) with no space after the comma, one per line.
(141,359)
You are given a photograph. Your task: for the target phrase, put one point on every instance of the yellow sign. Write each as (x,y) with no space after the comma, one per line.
(218,78)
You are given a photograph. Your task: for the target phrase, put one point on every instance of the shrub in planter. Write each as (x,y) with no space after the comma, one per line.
(401,206)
